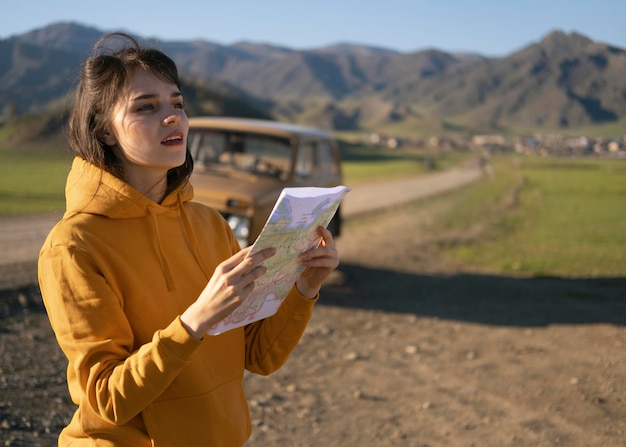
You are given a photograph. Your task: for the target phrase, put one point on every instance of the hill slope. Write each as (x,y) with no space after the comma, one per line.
(563,80)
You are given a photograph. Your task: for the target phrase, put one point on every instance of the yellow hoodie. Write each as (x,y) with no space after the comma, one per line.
(116,273)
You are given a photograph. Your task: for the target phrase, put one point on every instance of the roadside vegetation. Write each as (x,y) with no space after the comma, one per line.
(32,181)
(540,217)
(371,163)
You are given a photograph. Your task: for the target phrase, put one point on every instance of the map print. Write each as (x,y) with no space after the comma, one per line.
(291,229)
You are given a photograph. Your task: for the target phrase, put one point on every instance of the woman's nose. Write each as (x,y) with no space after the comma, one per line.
(173,117)
(170,119)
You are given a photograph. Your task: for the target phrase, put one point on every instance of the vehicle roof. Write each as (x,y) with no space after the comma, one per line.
(259,126)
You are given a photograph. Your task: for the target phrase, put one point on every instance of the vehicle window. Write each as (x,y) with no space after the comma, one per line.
(271,155)
(305,164)
(316,159)
(326,159)
(206,147)
(259,154)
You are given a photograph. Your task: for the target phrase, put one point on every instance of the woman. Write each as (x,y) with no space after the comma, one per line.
(135,273)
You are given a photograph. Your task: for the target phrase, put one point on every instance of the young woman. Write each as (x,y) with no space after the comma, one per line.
(135,273)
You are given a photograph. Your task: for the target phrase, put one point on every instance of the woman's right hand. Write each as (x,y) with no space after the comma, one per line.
(231,283)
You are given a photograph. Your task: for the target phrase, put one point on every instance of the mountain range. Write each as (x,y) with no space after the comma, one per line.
(564,80)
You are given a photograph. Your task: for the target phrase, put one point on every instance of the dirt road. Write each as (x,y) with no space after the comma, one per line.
(405,348)
(371,197)
(21,238)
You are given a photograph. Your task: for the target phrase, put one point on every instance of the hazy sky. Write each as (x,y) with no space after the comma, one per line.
(489,27)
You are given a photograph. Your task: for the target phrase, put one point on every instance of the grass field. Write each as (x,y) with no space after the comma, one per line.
(365,164)
(32,182)
(563,217)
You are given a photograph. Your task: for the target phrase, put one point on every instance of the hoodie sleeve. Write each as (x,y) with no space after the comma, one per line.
(104,372)
(269,342)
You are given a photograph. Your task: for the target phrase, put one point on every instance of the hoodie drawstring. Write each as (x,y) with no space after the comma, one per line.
(194,243)
(169,279)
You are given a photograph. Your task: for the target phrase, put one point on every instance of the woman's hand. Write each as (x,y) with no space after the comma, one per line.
(319,263)
(231,283)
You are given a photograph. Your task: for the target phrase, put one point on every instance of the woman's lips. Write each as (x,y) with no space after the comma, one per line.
(173,139)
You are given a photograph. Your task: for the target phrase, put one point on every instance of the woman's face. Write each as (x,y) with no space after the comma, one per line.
(148,131)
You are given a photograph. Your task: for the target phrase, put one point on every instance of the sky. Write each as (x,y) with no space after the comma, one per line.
(487,27)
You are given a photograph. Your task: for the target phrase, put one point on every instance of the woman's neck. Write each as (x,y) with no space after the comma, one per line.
(151,184)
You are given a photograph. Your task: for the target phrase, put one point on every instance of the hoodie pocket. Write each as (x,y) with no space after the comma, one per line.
(214,419)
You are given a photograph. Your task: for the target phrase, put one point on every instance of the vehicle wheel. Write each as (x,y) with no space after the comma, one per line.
(335,224)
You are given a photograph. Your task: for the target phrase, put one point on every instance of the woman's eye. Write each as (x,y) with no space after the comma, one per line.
(180,105)
(145,107)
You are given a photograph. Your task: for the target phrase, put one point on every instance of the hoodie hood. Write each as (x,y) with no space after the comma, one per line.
(92,190)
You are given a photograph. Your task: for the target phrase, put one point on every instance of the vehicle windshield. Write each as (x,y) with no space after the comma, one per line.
(254,153)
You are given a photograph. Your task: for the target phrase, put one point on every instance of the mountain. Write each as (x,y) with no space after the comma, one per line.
(64,36)
(39,69)
(331,73)
(562,80)
(32,76)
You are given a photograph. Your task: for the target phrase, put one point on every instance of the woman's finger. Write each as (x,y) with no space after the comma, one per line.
(240,263)
(235,260)
(327,237)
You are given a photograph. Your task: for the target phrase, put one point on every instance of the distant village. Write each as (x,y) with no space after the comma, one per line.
(555,145)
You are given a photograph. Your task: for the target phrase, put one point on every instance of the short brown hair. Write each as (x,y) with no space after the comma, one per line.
(103,76)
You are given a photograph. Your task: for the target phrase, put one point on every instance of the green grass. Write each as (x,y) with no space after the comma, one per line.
(568,219)
(32,182)
(366,164)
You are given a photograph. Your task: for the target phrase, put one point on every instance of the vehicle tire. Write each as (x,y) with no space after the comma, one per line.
(335,224)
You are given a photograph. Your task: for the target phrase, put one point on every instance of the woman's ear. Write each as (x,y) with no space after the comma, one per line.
(108,138)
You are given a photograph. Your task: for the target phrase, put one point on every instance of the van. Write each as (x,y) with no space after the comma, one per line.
(241,165)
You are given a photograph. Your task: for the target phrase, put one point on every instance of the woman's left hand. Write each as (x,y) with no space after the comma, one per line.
(318,264)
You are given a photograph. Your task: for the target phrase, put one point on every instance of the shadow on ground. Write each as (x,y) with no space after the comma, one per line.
(482,299)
